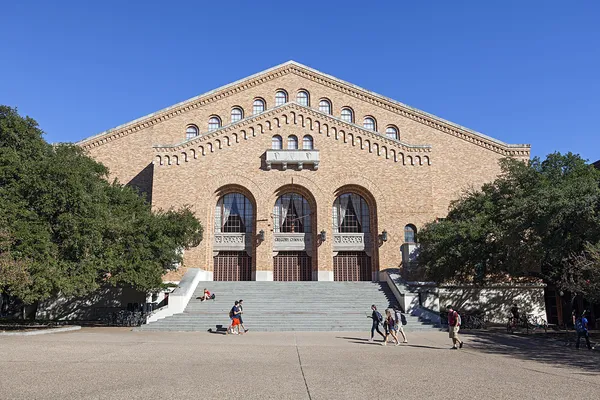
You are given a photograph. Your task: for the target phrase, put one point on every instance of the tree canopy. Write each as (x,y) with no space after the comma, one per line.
(540,219)
(65,228)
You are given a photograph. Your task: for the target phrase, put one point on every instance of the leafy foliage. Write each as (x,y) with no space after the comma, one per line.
(66,229)
(531,221)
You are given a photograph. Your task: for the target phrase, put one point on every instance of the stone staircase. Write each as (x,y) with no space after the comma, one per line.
(286,306)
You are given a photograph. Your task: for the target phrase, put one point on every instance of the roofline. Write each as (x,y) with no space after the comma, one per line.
(302,66)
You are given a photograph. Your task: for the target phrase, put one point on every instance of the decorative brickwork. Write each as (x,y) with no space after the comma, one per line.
(411,180)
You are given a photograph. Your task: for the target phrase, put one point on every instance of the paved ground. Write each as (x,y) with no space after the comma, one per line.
(114,363)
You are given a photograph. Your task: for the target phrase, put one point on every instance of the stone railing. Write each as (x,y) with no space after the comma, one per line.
(291,241)
(293,158)
(351,241)
(232,241)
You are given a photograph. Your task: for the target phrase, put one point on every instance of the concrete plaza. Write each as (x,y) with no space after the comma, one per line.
(115,363)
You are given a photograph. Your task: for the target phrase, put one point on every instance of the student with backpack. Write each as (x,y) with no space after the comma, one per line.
(235,320)
(581,326)
(400,320)
(392,328)
(453,327)
(377,319)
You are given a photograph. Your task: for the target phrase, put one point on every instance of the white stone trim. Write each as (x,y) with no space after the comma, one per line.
(263,275)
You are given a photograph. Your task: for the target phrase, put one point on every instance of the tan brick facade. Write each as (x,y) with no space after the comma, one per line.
(406,181)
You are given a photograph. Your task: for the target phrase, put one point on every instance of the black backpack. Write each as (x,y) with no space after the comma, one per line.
(379,316)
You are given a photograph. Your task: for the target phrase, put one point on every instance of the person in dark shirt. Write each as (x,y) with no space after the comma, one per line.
(241,309)
(514,310)
(377,319)
(235,320)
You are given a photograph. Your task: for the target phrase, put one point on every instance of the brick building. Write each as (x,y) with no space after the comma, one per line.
(297,175)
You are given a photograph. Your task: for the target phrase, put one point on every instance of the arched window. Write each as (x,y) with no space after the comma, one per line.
(292,142)
(369,123)
(302,98)
(236,114)
(351,214)
(307,142)
(410,234)
(234,214)
(214,123)
(190,132)
(280,98)
(291,214)
(325,106)
(258,106)
(276,142)
(347,115)
(391,132)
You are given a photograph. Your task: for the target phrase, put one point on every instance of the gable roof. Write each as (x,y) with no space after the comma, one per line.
(310,73)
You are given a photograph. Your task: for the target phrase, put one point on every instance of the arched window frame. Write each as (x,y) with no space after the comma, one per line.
(281,97)
(360,216)
(370,123)
(307,142)
(276,142)
(214,123)
(286,223)
(237,114)
(303,98)
(225,221)
(191,132)
(347,115)
(391,131)
(292,143)
(325,106)
(410,234)
(258,106)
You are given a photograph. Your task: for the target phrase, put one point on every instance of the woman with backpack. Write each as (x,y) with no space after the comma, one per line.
(400,320)
(377,319)
(392,327)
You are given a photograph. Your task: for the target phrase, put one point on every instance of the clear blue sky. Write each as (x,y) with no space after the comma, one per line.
(520,71)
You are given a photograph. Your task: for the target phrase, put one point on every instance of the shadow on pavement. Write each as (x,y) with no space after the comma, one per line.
(378,343)
(540,349)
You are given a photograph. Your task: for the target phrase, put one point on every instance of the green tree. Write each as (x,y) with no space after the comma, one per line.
(66,229)
(531,221)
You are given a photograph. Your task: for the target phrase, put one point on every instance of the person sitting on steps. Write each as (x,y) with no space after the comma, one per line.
(207,295)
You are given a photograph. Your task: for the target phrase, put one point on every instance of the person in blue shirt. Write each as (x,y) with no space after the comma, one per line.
(581,326)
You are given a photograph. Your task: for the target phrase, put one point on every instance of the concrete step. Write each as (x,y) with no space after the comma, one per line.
(286,306)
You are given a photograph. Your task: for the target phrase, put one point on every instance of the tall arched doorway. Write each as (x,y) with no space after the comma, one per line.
(292,238)
(233,233)
(352,238)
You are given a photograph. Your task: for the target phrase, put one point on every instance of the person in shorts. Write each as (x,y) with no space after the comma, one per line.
(235,319)
(392,328)
(453,328)
(398,321)
(241,307)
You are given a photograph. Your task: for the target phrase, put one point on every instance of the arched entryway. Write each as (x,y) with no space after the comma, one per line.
(233,237)
(293,237)
(354,247)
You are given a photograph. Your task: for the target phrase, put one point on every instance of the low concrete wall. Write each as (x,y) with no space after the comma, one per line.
(495,301)
(181,295)
(90,307)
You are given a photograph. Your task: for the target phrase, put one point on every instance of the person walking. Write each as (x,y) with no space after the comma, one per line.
(241,307)
(235,321)
(399,320)
(391,327)
(581,326)
(454,327)
(377,319)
